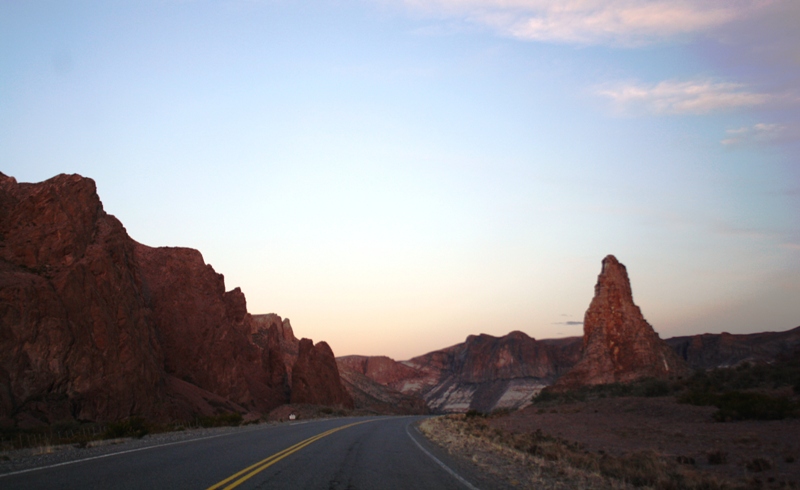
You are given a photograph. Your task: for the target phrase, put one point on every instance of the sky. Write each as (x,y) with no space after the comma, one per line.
(395,175)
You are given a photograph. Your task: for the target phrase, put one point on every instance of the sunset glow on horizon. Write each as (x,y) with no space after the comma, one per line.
(395,175)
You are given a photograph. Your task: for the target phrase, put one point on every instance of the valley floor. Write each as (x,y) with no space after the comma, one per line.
(623,443)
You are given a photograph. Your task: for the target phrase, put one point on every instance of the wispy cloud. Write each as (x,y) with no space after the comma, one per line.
(682,97)
(619,22)
(760,134)
(568,323)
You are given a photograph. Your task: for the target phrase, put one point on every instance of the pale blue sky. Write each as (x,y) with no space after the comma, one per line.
(396,175)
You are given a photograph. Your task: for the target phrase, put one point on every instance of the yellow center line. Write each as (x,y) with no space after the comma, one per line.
(254,469)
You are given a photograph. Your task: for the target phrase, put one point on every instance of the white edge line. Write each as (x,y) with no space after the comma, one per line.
(65,463)
(444,466)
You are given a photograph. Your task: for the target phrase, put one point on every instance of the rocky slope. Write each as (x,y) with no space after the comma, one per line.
(97,327)
(484,373)
(618,343)
(367,380)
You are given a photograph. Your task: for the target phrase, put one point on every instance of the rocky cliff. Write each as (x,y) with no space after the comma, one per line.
(618,343)
(315,376)
(367,380)
(77,336)
(484,373)
(97,327)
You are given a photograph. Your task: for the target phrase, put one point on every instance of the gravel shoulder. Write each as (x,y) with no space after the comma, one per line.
(24,459)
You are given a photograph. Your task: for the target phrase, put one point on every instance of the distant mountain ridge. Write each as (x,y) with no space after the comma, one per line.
(482,373)
(486,373)
(431,376)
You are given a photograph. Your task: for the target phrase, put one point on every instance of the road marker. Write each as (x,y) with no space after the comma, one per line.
(435,459)
(254,469)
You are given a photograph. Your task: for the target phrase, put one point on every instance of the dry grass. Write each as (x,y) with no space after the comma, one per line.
(536,460)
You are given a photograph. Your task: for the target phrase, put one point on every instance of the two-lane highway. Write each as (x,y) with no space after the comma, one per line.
(350,453)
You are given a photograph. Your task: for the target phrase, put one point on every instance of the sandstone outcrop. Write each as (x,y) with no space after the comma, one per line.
(97,327)
(618,343)
(205,331)
(315,377)
(484,373)
(367,380)
(275,334)
(487,373)
(77,338)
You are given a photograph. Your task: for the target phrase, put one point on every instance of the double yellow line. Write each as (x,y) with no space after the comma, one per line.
(237,479)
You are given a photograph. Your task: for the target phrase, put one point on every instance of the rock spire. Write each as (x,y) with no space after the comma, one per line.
(618,343)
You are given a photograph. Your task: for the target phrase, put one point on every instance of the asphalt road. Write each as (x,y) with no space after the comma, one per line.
(349,453)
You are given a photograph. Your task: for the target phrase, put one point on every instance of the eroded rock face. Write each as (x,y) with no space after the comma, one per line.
(315,377)
(484,373)
(77,337)
(377,398)
(618,343)
(272,332)
(205,331)
(97,327)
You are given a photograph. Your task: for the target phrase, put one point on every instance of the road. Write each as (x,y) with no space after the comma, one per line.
(348,453)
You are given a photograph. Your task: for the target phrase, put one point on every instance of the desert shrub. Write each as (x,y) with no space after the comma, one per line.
(648,387)
(474,413)
(500,412)
(222,420)
(546,396)
(132,427)
(785,371)
(557,457)
(717,457)
(654,387)
(737,405)
(758,465)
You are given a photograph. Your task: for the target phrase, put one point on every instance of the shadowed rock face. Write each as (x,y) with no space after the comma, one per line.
(618,343)
(205,332)
(96,327)
(315,377)
(275,334)
(77,339)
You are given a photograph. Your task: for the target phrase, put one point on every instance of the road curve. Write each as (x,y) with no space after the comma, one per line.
(349,453)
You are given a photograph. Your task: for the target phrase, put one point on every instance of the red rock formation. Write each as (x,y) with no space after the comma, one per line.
(205,331)
(271,332)
(371,395)
(94,326)
(618,343)
(77,339)
(315,377)
(381,369)
(483,373)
